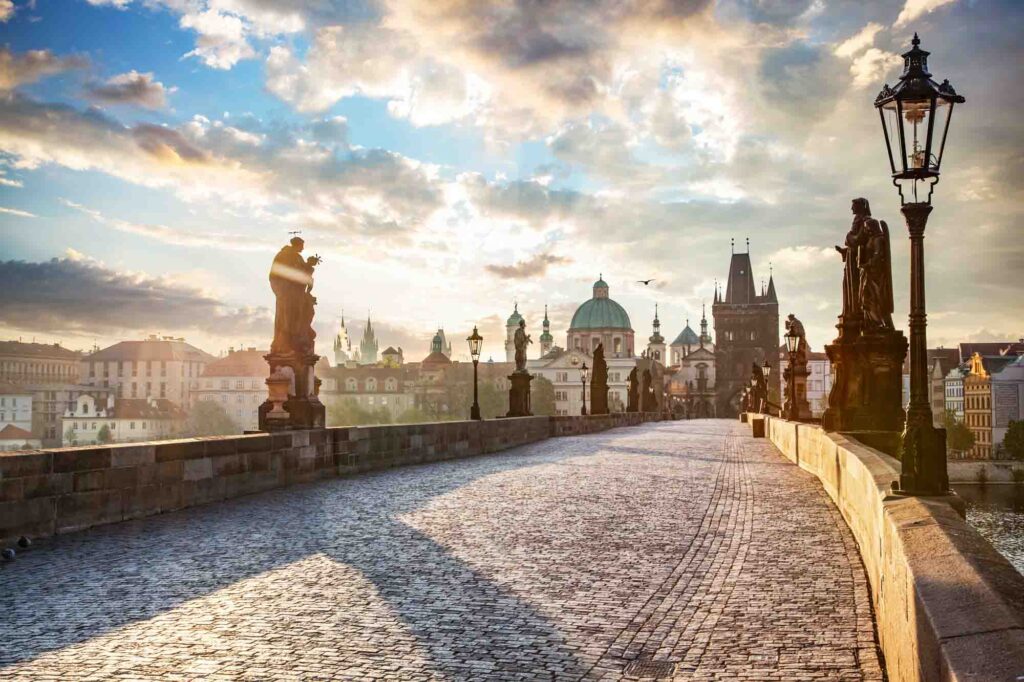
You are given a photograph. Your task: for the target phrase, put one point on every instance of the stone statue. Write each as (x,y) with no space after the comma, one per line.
(634,391)
(648,402)
(856,239)
(521,340)
(759,397)
(599,383)
(291,280)
(876,278)
(795,326)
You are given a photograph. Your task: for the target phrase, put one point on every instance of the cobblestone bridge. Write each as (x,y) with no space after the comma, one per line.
(676,548)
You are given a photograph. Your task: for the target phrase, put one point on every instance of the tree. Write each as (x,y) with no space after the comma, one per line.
(70,437)
(1013,441)
(542,397)
(958,437)
(348,412)
(103,436)
(493,400)
(208,418)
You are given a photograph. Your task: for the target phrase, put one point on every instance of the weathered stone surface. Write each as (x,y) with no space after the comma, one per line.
(686,543)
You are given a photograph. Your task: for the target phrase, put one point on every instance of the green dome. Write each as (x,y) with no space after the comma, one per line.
(514,318)
(687,337)
(600,313)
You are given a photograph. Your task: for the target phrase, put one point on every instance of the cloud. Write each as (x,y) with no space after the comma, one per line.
(914,9)
(16,212)
(28,67)
(76,294)
(861,40)
(222,39)
(134,88)
(537,266)
(6,10)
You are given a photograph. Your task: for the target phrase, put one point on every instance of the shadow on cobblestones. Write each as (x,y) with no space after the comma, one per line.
(74,588)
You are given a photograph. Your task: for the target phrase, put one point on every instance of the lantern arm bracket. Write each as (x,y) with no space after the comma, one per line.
(931,189)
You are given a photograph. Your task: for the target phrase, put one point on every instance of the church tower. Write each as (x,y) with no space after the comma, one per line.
(746,332)
(342,344)
(368,346)
(510,329)
(705,338)
(656,345)
(546,340)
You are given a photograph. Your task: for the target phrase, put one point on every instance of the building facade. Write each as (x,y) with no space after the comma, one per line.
(50,373)
(121,420)
(746,332)
(163,368)
(237,382)
(343,345)
(819,379)
(1007,400)
(15,406)
(953,389)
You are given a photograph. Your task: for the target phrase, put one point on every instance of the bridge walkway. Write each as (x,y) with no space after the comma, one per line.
(673,549)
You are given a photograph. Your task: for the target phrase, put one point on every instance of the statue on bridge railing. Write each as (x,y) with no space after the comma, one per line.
(867,356)
(634,391)
(599,383)
(293,401)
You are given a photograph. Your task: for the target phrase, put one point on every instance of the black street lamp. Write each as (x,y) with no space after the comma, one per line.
(584,375)
(915,118)
(475,343)
(792,343)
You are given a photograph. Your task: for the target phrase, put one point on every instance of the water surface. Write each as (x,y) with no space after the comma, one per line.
(997,511)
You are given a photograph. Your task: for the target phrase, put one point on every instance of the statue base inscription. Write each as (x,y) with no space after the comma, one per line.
(867,388)
(293,401)
(519,395)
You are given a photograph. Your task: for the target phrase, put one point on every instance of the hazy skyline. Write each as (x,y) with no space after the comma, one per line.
(448,159)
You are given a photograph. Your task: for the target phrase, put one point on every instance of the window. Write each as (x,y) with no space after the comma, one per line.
(256,383)
(239,383)
(617,345)
(163,390)
(371,386)
(224,383)
(391,385)
(163,368)
(149,388)
(351,384)
(131,426)
(241,398)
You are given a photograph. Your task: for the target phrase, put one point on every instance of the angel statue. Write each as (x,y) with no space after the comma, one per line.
(875,293)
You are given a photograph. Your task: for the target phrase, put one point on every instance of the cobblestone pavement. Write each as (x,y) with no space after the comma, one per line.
(680,548)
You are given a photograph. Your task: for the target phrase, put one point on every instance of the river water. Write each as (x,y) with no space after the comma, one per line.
(997,511)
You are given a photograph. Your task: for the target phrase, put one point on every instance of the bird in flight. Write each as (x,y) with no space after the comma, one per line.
(645,282)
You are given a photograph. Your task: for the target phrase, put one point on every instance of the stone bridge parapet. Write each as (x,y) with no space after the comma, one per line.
(45,492)
(947,604)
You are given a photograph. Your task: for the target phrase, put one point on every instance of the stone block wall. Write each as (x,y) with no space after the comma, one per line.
(45,492)
(948,606)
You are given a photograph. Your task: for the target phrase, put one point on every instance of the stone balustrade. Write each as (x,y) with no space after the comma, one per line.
(45,492)
(947,604)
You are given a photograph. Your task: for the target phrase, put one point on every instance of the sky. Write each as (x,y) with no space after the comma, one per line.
(448,159)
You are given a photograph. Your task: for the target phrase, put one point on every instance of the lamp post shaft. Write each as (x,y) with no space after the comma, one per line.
(474,413)
(583,394)
(919,410)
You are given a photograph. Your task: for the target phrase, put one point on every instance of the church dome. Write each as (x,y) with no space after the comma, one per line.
(600,312)
(687,337)
(514,318)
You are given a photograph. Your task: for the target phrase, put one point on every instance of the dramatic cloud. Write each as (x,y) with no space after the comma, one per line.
(537,266)
(222,38)
(917,8)
(28,67)
(6,10)
(134,88)
(74,295)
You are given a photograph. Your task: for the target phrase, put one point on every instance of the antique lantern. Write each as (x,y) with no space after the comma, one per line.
(915,120)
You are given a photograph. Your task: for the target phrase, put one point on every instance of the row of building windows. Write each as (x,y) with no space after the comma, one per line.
(55,369)
(370,385)
(104,368)
(95,426)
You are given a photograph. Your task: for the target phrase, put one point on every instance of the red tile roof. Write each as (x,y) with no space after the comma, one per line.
(151,349)
(12,432)
(142,408)
(38,350)
(239,363)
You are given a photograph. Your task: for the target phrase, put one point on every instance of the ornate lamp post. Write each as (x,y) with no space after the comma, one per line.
(584,374)
(766,370)
(915,118)
(475,343)
(792,342)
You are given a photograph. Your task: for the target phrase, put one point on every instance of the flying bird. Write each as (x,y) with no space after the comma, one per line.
(645,282)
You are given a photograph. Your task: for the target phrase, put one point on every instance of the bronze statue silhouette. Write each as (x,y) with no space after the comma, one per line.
(876,301)
(634,391)
(521,340)
(291,280)
(599,383)
(856,239)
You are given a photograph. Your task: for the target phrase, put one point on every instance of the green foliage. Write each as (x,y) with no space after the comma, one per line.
(542,397)
(1018,474)
(413,415)
(958,437)
(70,437)
(208,418)
(103,435)
(1013,442)
(493,400)
(348,412)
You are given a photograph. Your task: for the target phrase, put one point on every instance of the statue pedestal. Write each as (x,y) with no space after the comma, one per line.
(293,401)
(867,388)
(598,399)
(519,395)
(796,382)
